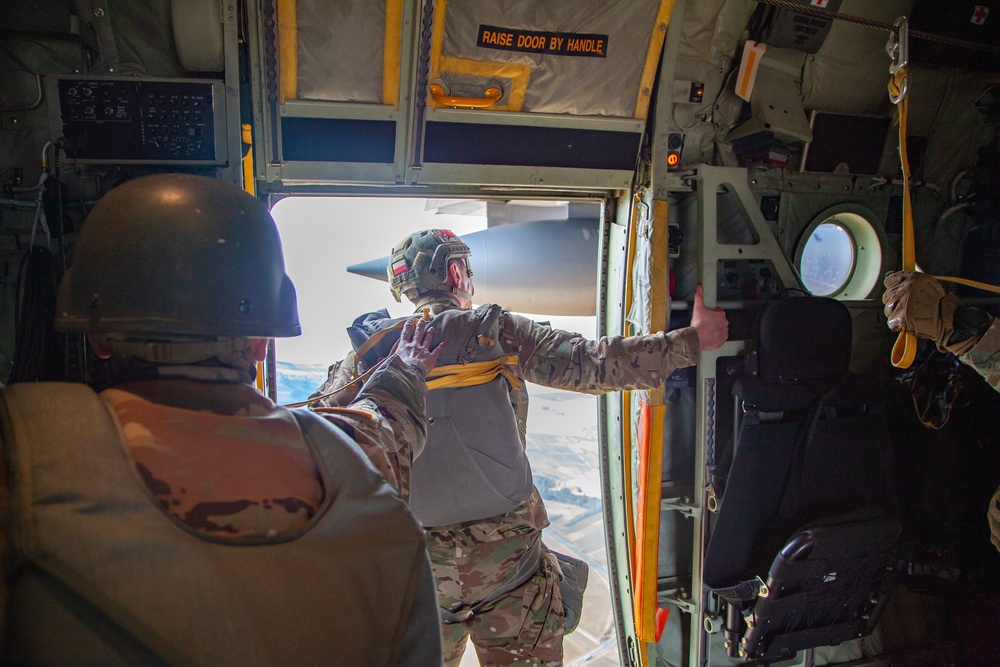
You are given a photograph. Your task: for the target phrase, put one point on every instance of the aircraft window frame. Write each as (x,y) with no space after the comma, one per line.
(868,244)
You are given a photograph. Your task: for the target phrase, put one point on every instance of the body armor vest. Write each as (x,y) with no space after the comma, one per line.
(101,575)
(473,465)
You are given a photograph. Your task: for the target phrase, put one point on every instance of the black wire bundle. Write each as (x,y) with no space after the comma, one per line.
(36,345)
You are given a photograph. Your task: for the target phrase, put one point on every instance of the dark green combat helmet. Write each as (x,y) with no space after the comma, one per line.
(176,255)
(419,263)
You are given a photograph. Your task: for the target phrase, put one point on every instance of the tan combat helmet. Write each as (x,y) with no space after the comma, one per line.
(419,263)
(178,256)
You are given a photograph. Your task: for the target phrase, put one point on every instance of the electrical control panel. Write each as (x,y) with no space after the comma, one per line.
(140,120)
(745,279)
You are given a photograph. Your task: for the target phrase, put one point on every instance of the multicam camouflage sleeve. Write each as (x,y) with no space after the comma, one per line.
(985,356)
(557,358)
(335,392)
(387,418)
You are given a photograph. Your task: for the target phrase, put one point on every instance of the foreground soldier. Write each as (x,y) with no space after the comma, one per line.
(181,517)
(472,487)
(917,303)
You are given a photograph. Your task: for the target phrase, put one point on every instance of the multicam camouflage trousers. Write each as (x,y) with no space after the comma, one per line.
(522,627)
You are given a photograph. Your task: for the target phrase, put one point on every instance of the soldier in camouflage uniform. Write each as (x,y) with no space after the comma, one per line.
(917,303)
(395,434)
(513,616)
(257,535)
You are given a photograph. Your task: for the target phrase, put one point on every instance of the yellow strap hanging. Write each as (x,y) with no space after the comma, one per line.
(905,348)
(471,375)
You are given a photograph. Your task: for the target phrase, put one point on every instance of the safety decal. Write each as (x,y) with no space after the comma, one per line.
(550,43)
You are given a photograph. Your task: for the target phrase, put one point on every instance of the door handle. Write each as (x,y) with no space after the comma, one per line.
(490,97)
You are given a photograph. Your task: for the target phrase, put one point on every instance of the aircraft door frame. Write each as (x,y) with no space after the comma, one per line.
(287,152)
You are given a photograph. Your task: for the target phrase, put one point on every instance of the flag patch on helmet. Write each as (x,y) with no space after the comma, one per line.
(399,266)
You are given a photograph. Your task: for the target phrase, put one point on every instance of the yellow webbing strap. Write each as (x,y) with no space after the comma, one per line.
(905,348)
(471,375)
(647,548)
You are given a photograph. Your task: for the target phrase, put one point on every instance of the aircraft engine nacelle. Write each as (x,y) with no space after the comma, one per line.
(546,267)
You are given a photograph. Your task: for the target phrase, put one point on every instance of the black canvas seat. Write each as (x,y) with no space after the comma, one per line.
(805,544)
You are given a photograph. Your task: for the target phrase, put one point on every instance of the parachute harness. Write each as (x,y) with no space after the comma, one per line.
(440,377)
(472,374)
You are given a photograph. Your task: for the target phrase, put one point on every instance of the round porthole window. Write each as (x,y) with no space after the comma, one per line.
(840,254)
(827,259)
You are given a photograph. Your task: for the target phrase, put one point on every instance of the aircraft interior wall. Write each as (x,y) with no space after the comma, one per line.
(952,139)
(40,42)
